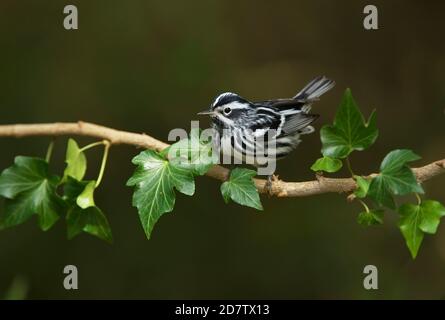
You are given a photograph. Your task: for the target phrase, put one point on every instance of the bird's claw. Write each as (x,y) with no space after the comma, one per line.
(268,186)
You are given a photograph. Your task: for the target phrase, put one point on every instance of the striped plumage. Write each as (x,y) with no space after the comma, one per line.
(245,129)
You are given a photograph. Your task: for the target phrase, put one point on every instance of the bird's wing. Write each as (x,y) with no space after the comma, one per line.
(266,119)
(282,104)
(284,121)
(297,122)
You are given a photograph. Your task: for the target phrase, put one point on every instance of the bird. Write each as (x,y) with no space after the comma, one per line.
(260,133)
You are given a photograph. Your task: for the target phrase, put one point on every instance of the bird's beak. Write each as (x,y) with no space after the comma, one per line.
(206,113)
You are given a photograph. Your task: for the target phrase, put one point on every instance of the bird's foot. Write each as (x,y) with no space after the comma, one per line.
(268,185)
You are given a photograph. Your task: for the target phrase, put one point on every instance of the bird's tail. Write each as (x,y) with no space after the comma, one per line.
(315,89)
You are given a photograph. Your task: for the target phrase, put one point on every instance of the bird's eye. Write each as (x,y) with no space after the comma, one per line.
(227,110)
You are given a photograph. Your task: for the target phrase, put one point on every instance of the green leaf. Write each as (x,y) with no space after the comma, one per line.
(371,218)
(76,162)
(395,178)
(379,191)
(154,180)
(241,188)
(409,226)
(30,189)
(195,153)
(327,164)
(72,189)
(415,220)
(403,181)
(86,198)
(432,212)
(397,159)
(349,132)
(362,187)
(90,219)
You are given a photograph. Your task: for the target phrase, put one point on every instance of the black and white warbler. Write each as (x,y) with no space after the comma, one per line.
(259,133)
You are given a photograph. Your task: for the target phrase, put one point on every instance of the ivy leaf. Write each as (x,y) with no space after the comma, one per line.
(241,188)
(72,189)
(415,220)
(362,187)
(395,178)
(349,132)
(432,212)
(90,219)
(379,191)
(86,198)
(397,159)
(76,162)
(154,180)
(30,189)
(371,218)
(327,164)
(195,153)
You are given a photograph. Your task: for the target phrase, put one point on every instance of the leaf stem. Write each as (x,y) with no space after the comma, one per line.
(104,162)
(364,205)
(419,200)
(348,163)
(49,151)
(92,145)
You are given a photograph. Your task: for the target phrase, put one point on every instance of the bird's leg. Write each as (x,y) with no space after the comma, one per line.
(268,185)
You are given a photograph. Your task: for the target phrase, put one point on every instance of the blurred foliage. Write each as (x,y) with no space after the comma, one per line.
(148,66)
(18,289)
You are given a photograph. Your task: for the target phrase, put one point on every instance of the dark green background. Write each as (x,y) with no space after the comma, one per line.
(149,66)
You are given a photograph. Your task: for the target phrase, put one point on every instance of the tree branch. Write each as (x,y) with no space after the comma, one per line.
(279,188)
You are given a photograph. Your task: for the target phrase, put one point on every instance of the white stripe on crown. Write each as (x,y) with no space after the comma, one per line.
(222,95)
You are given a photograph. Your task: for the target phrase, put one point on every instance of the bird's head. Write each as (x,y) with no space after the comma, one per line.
(227,108)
